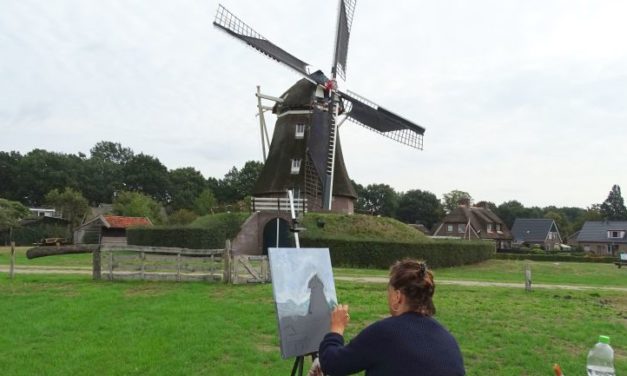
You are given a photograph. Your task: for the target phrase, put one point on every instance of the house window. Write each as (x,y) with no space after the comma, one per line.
(449,228)
(489,227)
(295,166)
(461,228)
(300,131)
(498,227)
(614,234)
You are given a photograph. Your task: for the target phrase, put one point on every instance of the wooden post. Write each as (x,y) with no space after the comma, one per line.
(110,265)
(96,265)
(527,277)
(12,266)
(178,266)
(142,257)
(226,258)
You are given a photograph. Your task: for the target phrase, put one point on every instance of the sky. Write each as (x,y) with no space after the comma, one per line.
(523,100)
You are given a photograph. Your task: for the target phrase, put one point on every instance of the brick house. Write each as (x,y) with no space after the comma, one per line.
(536,231)
(603,237)
(471,222)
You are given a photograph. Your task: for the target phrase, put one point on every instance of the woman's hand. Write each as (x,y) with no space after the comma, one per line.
(339,318)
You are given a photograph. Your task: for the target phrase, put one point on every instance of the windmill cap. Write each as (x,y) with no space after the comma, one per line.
(604,339)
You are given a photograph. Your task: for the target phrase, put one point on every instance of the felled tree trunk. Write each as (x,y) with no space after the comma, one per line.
(36,252)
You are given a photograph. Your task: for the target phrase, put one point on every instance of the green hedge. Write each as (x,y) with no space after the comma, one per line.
(553,257)
(381,254)
(25,236)
(206,232)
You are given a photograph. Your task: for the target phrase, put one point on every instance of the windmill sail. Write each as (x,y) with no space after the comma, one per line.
(378,119)
(235,27)
(344,23)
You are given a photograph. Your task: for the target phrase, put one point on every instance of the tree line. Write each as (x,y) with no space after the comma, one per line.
(139,184)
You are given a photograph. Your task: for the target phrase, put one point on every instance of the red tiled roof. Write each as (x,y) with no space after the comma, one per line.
(116,221)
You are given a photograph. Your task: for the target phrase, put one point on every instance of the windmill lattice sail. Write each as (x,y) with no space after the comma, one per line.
(344,23)
(377,119)
(235,27)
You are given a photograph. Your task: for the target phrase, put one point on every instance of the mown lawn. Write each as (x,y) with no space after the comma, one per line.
(572,273)
(83,259)
(60,325)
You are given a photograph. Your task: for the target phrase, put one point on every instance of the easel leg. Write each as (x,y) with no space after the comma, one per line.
(298,365)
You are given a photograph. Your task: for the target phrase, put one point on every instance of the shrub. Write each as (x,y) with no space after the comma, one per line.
(28,235)
(553,257)
(381,254)
(210,231)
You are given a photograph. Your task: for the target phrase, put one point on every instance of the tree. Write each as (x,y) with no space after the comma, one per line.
(9,174)
(204,203)
(182,217)
(10,214)
(509,211)
(186,184)
(238,184)
(613,208)
(135,204)
(419,206)
(103,171)
(112,152)
(454,198)
(41,171)
(145,174)
(70,203)
(378,199)
(487,204)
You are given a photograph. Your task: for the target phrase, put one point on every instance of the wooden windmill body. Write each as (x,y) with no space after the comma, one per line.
(305,154)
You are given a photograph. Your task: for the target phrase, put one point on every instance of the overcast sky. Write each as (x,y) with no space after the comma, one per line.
(521,100)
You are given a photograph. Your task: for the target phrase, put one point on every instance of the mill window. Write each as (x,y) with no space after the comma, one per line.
(300,131)
(295,166)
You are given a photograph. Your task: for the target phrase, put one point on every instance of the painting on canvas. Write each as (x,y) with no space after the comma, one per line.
(304,293)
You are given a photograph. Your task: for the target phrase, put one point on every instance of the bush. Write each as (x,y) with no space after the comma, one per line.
(381,254)
(553,257)
(207,232)
(24,236)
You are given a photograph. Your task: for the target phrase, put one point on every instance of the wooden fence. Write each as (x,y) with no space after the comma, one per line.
(249,269)
(122,262)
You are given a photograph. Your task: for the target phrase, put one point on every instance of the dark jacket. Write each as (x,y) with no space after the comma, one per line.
(409,344)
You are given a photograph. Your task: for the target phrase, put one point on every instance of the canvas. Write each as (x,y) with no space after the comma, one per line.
(304,294)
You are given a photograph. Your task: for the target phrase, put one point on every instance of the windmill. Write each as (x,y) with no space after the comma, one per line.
(305,154)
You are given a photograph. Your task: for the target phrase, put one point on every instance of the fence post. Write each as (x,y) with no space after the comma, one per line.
(527,277)
(227,261)
(178,266)
(96,265)
(110,265)
(12,266)
(142,257)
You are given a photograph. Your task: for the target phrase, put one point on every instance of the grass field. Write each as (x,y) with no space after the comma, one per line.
(60,325)
(62,260)
(572,273)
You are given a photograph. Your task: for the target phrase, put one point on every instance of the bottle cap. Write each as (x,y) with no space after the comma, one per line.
(604,339)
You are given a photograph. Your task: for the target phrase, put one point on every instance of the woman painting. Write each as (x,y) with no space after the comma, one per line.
(410,342)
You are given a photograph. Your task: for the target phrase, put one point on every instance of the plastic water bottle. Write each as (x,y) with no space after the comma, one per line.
(601,359)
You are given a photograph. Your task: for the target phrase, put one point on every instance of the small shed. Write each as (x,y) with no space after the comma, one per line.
(107,229)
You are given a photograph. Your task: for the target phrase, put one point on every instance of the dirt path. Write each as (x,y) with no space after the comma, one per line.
(363,279)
